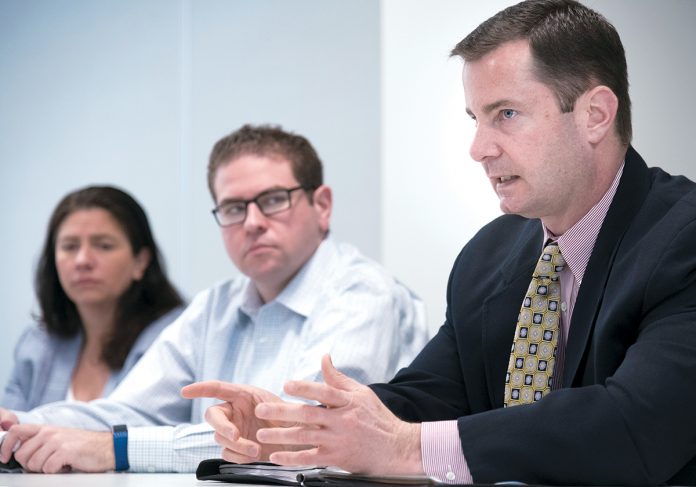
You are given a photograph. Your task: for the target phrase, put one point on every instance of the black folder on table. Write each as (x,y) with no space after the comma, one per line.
(10,467)
(311,476)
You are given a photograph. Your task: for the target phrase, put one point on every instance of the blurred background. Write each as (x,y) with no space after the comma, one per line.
(135,93)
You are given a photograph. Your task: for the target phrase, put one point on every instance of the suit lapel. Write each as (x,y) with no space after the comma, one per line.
(630,195)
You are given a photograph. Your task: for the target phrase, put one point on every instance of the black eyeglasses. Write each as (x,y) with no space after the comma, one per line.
(269,202)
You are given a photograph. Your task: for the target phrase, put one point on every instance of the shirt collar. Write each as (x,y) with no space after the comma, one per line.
(251,300)
(302,292)
(577,243)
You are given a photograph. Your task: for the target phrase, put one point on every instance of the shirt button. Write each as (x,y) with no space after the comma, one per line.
(564,306)
(450,476)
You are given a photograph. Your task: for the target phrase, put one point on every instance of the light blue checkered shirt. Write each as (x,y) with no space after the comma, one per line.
(340,302)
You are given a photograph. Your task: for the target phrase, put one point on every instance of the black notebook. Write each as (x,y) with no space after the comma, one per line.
(310,476)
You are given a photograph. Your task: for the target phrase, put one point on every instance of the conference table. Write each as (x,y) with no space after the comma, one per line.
(103,480)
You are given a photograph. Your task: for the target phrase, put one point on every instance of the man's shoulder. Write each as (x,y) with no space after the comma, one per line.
(653,187)
(349,267)
(339,271)
(666,216)
(350,281)
(153,330)
(223,289)
(219,298)
(665,207)
(671,189)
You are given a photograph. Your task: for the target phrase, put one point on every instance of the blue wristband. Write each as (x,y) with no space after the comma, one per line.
(120,432)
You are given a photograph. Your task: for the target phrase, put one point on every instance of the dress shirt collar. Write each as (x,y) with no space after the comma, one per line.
(577,243)
(303,290)
(251,300)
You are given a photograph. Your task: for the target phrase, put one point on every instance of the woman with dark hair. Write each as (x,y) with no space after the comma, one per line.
(103,296)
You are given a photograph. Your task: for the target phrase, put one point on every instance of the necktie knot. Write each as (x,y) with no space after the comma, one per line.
(550,263)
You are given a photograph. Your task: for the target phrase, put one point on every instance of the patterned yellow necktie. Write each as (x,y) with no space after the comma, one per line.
(533,354)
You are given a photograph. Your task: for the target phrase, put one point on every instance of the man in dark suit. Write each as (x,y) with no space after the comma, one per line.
(600,385)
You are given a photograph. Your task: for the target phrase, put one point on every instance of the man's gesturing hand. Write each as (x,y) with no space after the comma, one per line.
(354,431)
(234,420)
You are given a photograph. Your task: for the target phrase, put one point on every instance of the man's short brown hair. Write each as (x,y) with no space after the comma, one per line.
(268,141)
(574,49)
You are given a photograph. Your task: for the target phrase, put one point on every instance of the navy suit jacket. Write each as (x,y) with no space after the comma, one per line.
(627,411)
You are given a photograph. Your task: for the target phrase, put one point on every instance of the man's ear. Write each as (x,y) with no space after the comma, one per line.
(322,200)
(600,105)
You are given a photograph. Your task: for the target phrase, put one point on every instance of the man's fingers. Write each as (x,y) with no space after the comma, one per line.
(15,436)
(32,452)
(335,393)
(233,456)
(212,388)
(7,419)
(242,447)
(295,435)
(303,457)
(23,432)
(217,417)
(34,459)
(55,464)
(290,413)
(335,378)
(6,450)
(48,459)
(316,391)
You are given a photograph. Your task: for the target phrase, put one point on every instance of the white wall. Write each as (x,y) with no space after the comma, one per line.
(135,92)
(435,196)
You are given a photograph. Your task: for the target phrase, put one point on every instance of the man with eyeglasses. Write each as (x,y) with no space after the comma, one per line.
(301,295)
